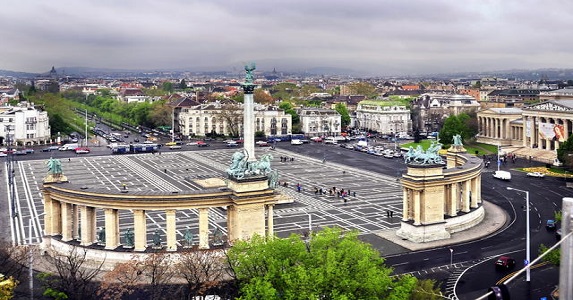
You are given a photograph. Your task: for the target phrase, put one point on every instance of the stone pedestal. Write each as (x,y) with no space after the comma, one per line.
(423,233)
(55,178)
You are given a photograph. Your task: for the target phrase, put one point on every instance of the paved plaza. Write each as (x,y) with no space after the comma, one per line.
(177,171)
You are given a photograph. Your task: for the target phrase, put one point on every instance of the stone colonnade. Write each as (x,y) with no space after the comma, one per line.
(500,128)
(70,212)
(431,194)
(533,136)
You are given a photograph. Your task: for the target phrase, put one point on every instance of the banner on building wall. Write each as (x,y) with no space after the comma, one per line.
(552,132)
(528,128)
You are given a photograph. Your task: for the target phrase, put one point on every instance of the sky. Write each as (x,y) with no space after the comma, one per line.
(369,37)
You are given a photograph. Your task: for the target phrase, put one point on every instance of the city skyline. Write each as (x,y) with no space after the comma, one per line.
(366,38)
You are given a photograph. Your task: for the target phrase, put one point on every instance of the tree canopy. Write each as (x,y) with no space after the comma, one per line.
(330,264)
(461,124)
(344,115)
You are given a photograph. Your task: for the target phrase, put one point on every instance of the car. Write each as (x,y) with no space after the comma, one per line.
(52,148)
(191,144)
(170,144)
(503,175)
(397,154)
(82,150)
(202,144)
(175,147)
(231,143)
(296,142)
(2,154)
(550,224)
(46,149)
(3,149)
(316,139)
(29,151)
(535,174)
(505,262)
(20,152)
(262,144)
(136,140)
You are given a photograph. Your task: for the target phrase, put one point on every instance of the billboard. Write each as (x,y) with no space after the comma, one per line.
(552,132)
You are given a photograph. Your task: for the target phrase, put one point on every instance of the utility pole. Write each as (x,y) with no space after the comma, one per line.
(566,267)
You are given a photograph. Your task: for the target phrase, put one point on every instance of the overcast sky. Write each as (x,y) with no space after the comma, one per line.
(374,37)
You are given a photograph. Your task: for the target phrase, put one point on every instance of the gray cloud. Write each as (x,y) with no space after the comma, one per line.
(370,36)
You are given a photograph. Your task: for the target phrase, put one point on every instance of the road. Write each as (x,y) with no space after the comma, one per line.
(372,178)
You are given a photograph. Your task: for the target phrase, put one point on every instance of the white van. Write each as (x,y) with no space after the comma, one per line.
(330,140)
(503,175)
(69,147)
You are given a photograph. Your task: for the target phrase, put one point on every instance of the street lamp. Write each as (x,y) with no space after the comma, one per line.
(527,237)
(451,256)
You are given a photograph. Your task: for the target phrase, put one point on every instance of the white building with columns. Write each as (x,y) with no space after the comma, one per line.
(541,126)
(320,122)
(219,117)
(383,116)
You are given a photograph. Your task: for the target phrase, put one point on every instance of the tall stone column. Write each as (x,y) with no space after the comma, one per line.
(67,219)
(88,227)
(452,199)
(139,230)
(48,218)
(474,199)
(466,196)
(171,230)
(248,113)
(270,221)
(111,228)
(203,228)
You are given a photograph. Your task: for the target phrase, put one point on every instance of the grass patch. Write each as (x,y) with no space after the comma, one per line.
(478,149)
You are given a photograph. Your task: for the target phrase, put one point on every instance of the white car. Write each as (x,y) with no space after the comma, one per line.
(535,174)
(503,175)
(175,147)
(296,142)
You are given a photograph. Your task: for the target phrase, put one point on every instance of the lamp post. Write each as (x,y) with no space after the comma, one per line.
(451,256)
(527,235)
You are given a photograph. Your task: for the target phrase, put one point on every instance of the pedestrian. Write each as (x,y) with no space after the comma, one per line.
(69,159)
(338,194)
(298,187)
(353,194)
(165,171)
(345,200)
(387,214)
(315,190)
(391,214)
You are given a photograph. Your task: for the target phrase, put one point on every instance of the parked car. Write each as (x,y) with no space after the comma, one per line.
(2,154)
(20,152)
(231,143)
(202,144)
(262,144)
(316,139)
(175,147)
(505,262)
(535,174)
(296,142)
(47,149)
(170,144)
(29,151)
(550,225)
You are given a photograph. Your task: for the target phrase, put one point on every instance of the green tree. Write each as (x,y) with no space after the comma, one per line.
(553,257)
(330,264)
(344,115)
(167,86)
(564,152)
(427,289)
(290,109)
(460,124)
(183,84)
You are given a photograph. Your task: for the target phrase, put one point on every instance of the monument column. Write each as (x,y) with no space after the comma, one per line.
(466,196)
(67,219)
(453,200)
(203,228)
(171,230)
(75,222)
(139,230)
(248,118)
(88,227)
(475,198)
(111,228)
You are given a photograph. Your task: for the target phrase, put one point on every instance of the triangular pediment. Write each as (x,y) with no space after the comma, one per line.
(550,106)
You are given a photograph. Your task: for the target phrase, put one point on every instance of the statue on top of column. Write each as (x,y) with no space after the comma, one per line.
(249,73)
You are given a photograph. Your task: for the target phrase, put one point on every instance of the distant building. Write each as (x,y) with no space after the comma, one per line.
(383,116)
(227,118)
(25,124)
(561,94)
(320,122)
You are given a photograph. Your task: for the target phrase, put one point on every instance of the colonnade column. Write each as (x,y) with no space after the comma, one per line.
(453,199)
(270,221)
(203,228)
(139,230)
(111,228)
(88,228)
(405,206)
(67,219)
(48,217)
(474,198)
(75,222)
(466,196)
(417,208)
(171,230)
